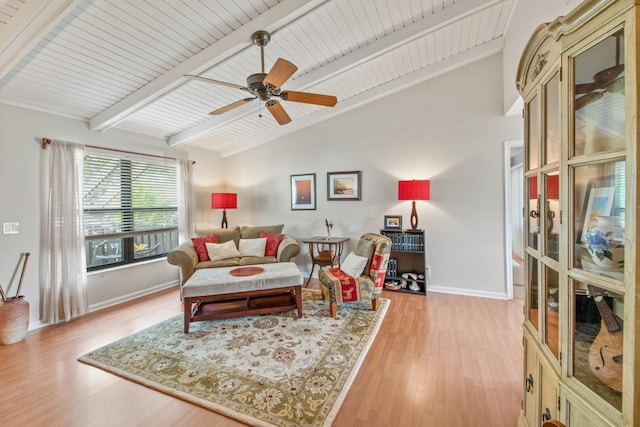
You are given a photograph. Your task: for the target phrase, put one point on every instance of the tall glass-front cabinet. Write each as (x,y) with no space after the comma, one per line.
(578,77)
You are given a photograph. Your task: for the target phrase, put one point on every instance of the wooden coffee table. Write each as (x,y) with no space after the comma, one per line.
(225,292)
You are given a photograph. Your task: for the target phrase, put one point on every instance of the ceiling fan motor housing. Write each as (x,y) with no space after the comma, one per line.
(254,83)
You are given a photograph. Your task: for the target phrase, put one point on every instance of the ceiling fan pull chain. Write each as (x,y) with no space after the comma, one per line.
(260,109)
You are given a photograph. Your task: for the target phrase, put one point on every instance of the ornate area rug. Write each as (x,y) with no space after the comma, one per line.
(266,370)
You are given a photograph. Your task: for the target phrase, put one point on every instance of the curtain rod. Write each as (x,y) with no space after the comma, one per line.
(47,141)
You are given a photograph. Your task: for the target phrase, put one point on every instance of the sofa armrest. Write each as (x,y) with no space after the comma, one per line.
(185,257)
(289,247)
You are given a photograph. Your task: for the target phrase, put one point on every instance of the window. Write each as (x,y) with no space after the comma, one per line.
(130,208)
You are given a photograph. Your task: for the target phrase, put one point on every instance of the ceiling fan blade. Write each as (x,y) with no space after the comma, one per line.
(309,98)
(586,87)
(230,106)
(587,99)
(278,113)
(218,82)
(281,71)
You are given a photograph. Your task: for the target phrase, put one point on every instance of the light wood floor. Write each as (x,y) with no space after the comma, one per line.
(437,360)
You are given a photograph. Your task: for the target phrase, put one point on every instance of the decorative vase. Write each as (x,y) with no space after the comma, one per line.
(605,242)
(14,320)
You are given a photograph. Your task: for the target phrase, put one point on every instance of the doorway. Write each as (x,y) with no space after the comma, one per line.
(513,192)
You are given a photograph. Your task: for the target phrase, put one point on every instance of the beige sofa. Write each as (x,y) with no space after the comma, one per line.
(186,257)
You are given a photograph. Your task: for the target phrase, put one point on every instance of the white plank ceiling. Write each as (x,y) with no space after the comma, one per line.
(121,63)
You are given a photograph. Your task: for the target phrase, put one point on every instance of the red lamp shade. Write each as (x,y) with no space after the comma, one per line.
(414,190)
(553,187)
(224,200)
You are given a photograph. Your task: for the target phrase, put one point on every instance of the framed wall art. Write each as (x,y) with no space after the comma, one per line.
(303,192)
(344,185)
(392,222)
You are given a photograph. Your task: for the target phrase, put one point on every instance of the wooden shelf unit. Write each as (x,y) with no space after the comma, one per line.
(407,256)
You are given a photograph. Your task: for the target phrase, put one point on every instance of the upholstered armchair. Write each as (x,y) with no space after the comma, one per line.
(338,286)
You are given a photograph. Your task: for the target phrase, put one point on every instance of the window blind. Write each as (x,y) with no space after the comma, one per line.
(125,196)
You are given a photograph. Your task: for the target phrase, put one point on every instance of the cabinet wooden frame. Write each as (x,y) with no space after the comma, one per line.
(600,38)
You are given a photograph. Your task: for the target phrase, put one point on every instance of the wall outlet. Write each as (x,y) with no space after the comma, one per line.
(428,270)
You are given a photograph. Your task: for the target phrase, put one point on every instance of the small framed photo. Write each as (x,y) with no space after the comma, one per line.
(344,185)
(392,222)
(303,192)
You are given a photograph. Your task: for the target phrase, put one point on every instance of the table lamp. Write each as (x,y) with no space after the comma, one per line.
(414,190)
(224,201)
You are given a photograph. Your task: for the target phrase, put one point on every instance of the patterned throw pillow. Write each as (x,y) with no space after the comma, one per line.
(273,242)
(201,249)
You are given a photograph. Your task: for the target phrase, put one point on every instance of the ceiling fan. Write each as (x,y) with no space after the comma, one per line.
(266,86)
(610,79)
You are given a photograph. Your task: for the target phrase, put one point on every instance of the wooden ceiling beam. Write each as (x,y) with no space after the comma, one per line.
(234,42)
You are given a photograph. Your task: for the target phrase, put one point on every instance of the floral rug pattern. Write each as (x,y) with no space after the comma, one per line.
(264,370)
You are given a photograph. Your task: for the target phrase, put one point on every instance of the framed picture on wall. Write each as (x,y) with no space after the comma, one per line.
(303,192)
(344,185)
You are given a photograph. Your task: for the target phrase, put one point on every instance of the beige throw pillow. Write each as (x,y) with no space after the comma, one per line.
(253,247)
(218,251)
(353,264)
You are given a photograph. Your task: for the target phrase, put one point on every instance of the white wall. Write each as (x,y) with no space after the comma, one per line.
(21,173)
(526,17)
(449,130)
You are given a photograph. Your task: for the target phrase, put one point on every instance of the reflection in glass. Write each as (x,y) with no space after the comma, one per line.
(599,97)
(106,251)
(532,271)
(534,212)
(552,215)
(552,120)
(551,309)
(598,232)
(597,341)
(533,133)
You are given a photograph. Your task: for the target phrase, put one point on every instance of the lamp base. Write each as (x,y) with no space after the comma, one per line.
(414,216)
(224,219)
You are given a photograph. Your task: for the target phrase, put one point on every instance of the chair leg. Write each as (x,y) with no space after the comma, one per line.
(333,307)
(375,303)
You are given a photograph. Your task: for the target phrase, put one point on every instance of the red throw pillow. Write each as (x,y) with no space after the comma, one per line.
(201,248)
(273,241)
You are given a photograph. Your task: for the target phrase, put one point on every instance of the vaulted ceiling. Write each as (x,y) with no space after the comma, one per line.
(121,63)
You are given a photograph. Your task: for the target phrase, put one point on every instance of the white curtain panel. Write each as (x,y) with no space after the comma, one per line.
(186,212)
(65,271)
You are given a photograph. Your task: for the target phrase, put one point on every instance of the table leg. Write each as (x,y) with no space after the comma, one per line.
(187,313)
(299,300)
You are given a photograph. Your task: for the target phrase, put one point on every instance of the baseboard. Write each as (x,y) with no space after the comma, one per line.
(132,296)
(467,292)
(38,324)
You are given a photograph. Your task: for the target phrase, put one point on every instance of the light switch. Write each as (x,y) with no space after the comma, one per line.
(10,228)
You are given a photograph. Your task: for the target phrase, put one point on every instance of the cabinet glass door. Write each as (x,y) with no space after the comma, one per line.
(533,133)
(551,309)
(551,215)
(552,120)
(598,229)
(599,73)
(597,341)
